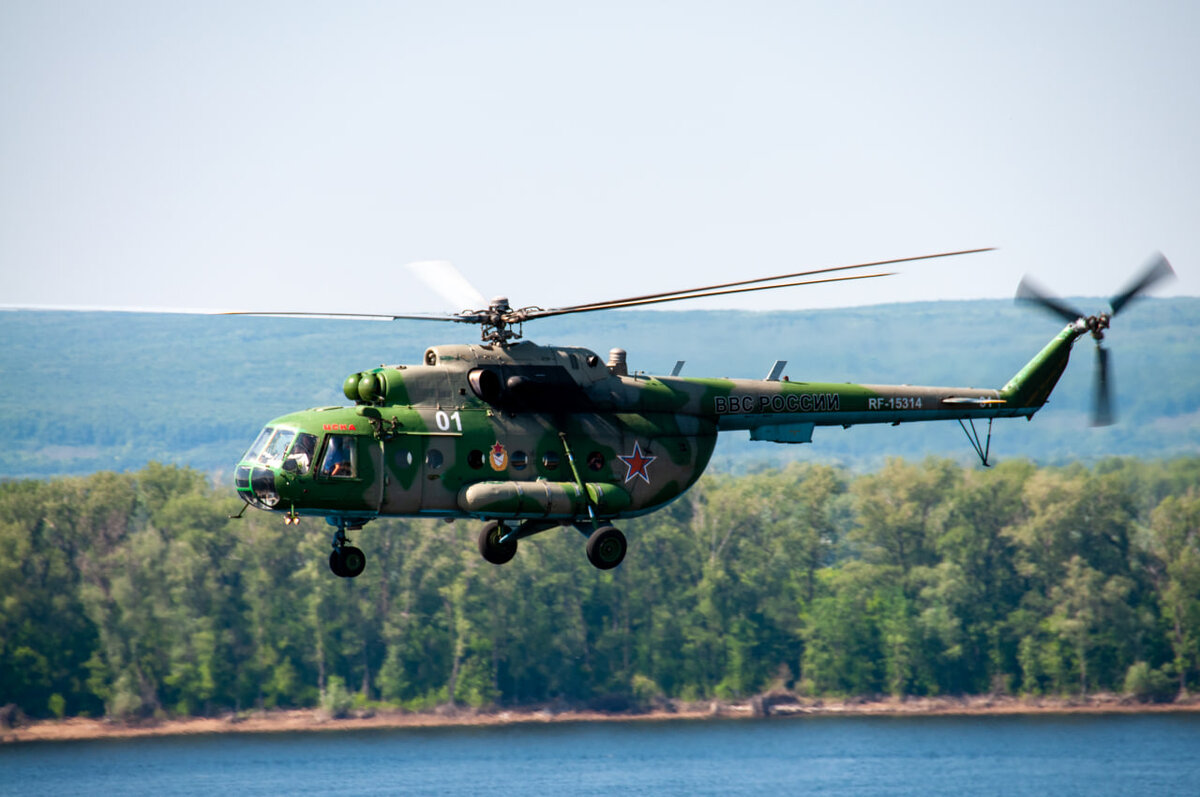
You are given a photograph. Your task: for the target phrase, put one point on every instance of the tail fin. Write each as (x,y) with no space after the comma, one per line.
(1031,386)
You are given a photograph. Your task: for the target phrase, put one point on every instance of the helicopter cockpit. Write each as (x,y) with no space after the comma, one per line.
(273,450)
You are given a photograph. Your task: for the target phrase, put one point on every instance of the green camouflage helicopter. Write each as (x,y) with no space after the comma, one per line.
(527,438)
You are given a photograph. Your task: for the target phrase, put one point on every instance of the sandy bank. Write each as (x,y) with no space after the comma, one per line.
(772,706)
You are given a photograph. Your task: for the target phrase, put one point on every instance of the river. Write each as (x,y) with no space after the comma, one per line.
(934,755)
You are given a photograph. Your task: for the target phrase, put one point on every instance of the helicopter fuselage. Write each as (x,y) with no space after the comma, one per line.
(525,432)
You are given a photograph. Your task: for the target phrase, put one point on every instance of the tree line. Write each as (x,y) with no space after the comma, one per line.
(135,594)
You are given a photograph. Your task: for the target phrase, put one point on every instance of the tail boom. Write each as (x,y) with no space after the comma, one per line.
(787,412)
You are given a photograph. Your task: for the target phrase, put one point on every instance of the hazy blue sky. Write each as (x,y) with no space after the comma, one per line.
(292,155)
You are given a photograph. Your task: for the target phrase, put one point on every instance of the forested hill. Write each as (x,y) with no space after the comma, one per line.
(83,392)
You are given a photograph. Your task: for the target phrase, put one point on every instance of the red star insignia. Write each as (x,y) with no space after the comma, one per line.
(637,462)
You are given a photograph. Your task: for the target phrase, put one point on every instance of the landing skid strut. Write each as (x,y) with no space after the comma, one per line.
(982,448)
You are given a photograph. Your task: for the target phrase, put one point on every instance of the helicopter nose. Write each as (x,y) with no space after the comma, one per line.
(262,482)
(241,480)
(256,486)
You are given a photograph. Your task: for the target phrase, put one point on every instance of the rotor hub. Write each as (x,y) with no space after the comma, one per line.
(497,321)
(1096,324)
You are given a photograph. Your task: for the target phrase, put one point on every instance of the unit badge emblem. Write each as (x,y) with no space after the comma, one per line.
(498,457)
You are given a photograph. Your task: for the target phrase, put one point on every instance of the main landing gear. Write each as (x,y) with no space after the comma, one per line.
(498,543)
(606,547)
(346,561)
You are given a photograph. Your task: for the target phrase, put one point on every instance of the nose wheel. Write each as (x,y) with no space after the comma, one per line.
(345,561)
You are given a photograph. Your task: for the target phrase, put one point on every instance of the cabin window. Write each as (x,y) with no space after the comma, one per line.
(595,460)
(404,459)
(519,460)
(475,459)
(550,460)
(303,451)
(339,460)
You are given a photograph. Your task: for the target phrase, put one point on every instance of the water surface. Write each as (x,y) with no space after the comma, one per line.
(1064,755)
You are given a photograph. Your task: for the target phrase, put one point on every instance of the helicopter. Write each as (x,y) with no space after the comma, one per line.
(527,438)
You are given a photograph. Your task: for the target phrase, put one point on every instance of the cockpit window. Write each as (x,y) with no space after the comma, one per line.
(303,451)
(339,459)
(259,443)
(273,453)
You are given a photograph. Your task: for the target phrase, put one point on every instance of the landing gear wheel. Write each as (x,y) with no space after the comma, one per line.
(353,561)
(490,547)
(346,561)
(606,548)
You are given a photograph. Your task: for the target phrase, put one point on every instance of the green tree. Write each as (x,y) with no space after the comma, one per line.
(978,585)
(45,635)
(898,511)
(841,635)
(1089,611)
(1175,540)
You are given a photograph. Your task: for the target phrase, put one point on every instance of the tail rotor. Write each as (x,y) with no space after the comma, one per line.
(1029,292)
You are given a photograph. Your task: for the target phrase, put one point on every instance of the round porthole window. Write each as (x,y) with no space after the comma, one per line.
(434,459)
(519,460)
(475,459)
(550,460)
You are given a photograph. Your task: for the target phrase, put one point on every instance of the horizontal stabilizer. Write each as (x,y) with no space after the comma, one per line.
(982,402)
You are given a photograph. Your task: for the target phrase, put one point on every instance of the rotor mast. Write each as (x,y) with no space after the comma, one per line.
(496,322)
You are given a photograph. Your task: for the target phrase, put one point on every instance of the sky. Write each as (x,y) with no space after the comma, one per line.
(295,155)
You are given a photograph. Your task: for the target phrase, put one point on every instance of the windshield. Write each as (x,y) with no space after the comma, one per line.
(273,453)
(259,442)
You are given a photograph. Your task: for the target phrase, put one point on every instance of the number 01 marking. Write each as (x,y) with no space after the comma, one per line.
(443,420)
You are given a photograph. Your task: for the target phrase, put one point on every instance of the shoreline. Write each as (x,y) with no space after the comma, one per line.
(782,706)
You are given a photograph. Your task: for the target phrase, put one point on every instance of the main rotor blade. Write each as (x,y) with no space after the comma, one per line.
(638,302)
(465,318)
(441,277)
(1030,292)
(85,308)
(1156,270)
(1102,403)
(683,294)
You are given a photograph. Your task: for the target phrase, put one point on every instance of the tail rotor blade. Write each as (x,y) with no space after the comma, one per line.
(1155,271)
(1102,407)
(1031,293)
